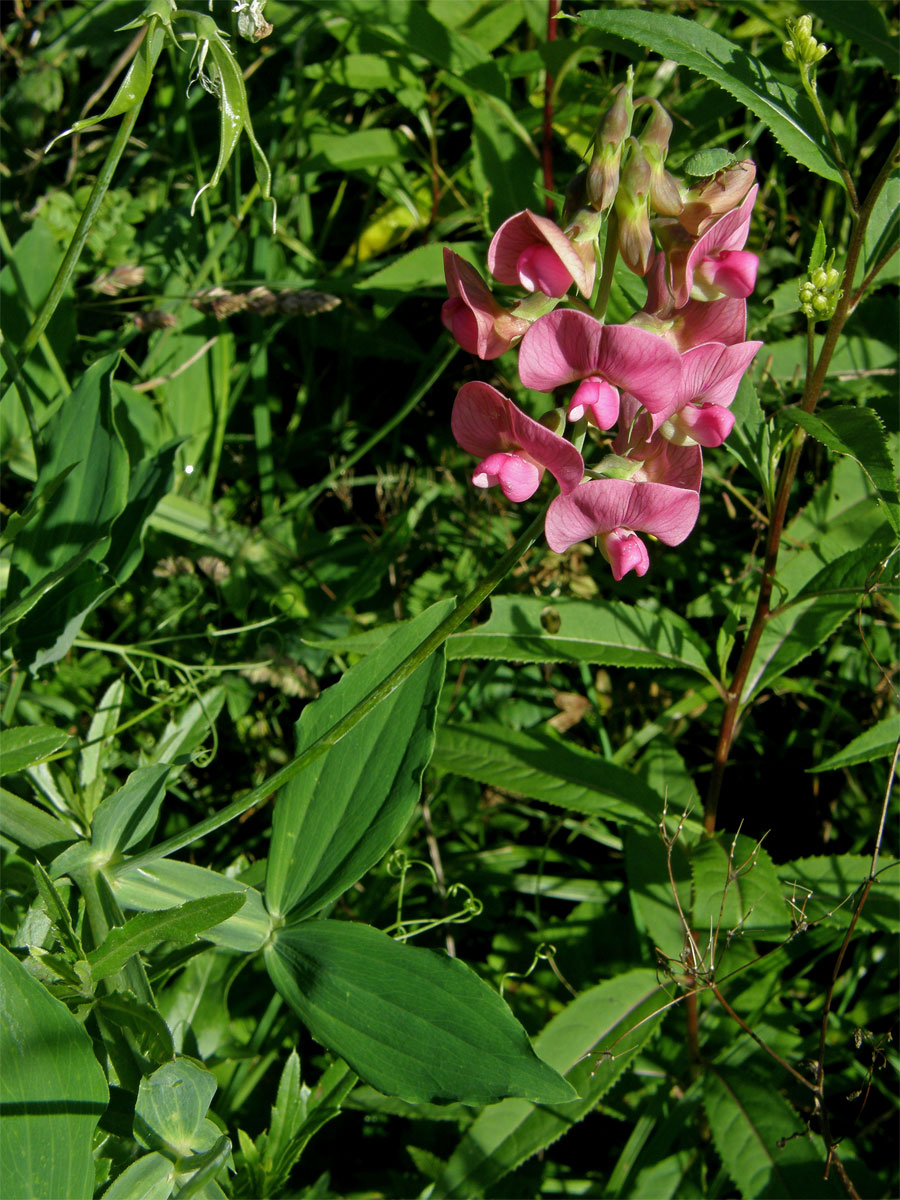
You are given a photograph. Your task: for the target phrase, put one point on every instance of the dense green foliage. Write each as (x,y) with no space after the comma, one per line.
(316,884)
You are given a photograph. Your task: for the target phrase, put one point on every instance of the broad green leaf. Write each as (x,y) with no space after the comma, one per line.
(130,813)
(152,1177)
(181,737)
(650,889)
(53,1092)
(826,890)
(541,766)
(531,629)
(592,1041)
(163,884)
(81,436)
(761,1141)
(859,433)
(17,521)
(171,1107)
(779,106)
(151,1033)
(411,1022)
(878,742)
(337,818)
(149,481)
(357,151)
(97,746)
(27,825)
(181,924)
(736,888)
(24,745)
(882,233)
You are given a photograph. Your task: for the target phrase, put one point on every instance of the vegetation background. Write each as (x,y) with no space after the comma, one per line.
(289,485)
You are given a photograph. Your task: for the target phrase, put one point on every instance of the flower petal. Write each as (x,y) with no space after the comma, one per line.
(625,552)
(526,229)
(559,348)
(601,505)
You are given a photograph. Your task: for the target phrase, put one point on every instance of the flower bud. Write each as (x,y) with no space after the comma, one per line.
(633,211)
(803,47)
(603,173)
(717,196)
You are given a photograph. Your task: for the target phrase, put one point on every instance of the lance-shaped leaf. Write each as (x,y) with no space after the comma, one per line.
(52,1089)
(338,817)
(617,1017)
(411,1022)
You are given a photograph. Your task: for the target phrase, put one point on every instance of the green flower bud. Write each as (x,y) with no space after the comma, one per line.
(803,47)
(819,278)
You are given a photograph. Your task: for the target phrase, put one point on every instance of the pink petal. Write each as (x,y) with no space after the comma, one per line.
(731,273)
(601,505)
(484,422)
(540,270)
(640,363)
(712,373)
(706,424)
(559,348)
(519,478)
(728,233)
(489,330)
(709,321)
(526,229)
(662,461)
(598,399)
(461,322)
(625,552)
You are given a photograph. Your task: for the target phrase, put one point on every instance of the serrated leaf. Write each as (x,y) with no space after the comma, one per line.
(735,891)
(615,1017)
(338,817)
(859,433)
(825,889)
(181,924)
(52,1089)
(778,105)
(760,1139)
(411,1022)
(878,742)
(530,629)
(22,746)
(541,766)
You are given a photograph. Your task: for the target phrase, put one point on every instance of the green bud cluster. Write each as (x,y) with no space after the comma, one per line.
(802,47)
(819,293)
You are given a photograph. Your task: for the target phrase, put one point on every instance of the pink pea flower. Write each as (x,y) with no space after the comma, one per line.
(534,253)
(696,322)
(715,264)
(614,511)
(710,375)
(472,315)
(514,450)
(706,201)
(660,460)
(566,345)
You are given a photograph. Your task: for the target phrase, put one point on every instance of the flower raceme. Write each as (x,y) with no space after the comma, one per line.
(656,390)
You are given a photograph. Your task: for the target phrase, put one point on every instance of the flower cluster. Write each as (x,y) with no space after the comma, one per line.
(656,389)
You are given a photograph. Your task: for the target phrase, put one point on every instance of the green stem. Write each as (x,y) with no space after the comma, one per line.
(333,735)
(70,260)
(809,86)
(610,250)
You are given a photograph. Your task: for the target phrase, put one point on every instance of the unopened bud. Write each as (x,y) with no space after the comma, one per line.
(819,278)
(603,173)
(820,303)
(633,211)
(803,47)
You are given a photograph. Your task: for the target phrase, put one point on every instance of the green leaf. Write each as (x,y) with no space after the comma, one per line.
(28,825)
(337,818)
(130,813)
(778,105)
(160,885)
(356,151)
(171,1107)
(181,738)
(541,766)
(752,899)
(150,480)
(152,1177)
(817,254)
(24,745)
(529,629)
(152,1034)
(859,433)
(618,1016)
(411,1022)
(826,890)
(53,1092)
(181,924)
(878,742)
(97,747)
(761,1141)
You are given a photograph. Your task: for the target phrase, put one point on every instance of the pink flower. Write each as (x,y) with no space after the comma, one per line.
(566,345)
(696,322)
(710,375)
(661,461)
(533,252)
(613,510)
(514,449)
(706,201)
(472,315)
(715,264)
